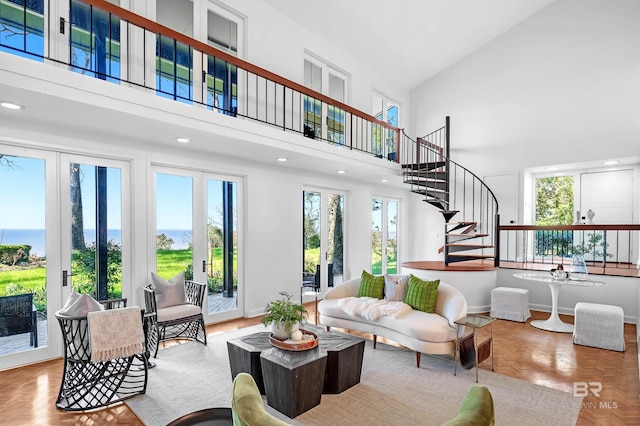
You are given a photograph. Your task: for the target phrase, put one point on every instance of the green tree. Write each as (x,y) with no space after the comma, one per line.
(336,243)
(77,220)
(554,200)
(163,242)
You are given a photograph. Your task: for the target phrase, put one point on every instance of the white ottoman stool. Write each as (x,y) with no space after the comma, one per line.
(510,303)
(600,326)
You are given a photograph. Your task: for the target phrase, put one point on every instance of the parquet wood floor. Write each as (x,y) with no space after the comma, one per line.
(28,394)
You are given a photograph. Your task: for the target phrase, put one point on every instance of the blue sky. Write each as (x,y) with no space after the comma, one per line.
(22,194)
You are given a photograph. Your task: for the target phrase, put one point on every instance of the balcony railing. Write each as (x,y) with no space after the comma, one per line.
(605,249)
(102,40)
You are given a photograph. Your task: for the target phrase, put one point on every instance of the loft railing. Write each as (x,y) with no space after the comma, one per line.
(102,40)
(606,249)
(450,186)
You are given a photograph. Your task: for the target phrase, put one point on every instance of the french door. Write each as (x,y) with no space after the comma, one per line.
(65,229)
(323,237)
(196,231)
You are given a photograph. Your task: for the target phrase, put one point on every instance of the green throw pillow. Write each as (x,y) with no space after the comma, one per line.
(421,295)
(371,286)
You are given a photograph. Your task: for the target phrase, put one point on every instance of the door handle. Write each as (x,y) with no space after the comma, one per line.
(204,266)
(65,276)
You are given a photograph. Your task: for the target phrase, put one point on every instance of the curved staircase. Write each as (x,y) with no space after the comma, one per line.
(457,193)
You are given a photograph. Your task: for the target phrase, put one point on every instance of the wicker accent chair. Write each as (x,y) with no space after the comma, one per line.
(87,385)
(18,316)
(176,322)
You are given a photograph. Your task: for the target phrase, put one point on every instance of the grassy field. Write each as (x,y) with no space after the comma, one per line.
(171,262)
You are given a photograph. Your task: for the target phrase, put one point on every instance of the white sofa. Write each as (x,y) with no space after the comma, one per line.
(420,331)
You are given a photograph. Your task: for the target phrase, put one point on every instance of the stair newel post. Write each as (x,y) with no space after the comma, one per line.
(447,152)
(447,195)
(496,241)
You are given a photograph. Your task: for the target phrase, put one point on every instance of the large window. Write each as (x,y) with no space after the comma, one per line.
(384,236)
(22,27)
(326,80)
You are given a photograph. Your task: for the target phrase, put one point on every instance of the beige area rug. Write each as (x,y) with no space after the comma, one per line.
(392,391)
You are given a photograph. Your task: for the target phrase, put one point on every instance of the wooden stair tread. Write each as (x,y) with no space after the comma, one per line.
(472,256)
(477,246)
(467,235)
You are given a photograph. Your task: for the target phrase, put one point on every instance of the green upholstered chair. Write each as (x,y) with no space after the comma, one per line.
(246,404)
(476,410)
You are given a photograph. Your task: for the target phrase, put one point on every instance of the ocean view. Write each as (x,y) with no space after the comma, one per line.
(36,238)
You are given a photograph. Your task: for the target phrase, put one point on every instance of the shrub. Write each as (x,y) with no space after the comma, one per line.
(14,254)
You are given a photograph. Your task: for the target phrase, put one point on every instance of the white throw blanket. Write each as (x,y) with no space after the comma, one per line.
(115,333)
(371,308)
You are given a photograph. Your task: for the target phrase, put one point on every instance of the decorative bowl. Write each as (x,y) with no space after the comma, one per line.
(309,341)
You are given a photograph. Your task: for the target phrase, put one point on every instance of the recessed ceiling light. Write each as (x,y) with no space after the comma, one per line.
(282,159)
(610,163)
(183,140)
(10,105)
(384,180)
(342,172)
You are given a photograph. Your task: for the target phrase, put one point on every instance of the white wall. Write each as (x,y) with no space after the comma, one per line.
(561,87)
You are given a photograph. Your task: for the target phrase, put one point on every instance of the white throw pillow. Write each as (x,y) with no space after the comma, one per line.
(169,293)
(395,287)
(79,305)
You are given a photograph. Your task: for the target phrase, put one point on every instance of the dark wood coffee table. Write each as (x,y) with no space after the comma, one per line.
(244,356)
(342,368)
(344,359)
(293,380)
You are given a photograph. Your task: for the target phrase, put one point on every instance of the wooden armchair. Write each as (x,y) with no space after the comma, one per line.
(18,316)
(176,322)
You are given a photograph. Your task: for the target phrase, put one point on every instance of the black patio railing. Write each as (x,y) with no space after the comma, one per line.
(608,249)
(102,40)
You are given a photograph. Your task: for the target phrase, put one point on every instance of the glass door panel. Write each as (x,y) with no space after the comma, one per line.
(323,238)
(376,237)
(384,236)
(335,239)
(222,246)
(335,115)
(174,225)
(23,257)
(311,235)
(95,195)
(392,238)
(22,28)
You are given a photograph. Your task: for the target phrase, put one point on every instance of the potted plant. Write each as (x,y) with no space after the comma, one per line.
(284,316)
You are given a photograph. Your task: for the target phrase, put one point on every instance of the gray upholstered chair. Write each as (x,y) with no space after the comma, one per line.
(180,321)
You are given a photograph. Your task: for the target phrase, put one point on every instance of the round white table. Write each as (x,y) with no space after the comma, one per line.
(554,323)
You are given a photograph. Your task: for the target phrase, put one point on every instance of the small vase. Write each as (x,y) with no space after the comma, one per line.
(279,332)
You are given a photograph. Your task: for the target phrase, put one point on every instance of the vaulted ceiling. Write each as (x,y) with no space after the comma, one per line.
(409,40)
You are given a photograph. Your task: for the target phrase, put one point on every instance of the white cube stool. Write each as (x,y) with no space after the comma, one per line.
(600,326)
(510,304)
